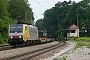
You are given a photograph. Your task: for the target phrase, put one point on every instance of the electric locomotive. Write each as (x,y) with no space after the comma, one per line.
(22,34)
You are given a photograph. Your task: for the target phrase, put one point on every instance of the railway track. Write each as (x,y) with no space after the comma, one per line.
(31,54)
(5,47)
(8,47)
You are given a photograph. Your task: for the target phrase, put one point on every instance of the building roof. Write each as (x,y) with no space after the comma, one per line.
(73,27)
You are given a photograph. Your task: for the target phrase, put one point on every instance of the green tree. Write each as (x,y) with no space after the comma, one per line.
(20,11)
(4,20)
(53,18)
(40,25)
(3,8)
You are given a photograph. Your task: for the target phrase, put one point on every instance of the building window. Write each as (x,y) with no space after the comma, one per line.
(72,31)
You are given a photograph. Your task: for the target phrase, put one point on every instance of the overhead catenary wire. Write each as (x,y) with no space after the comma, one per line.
(40,4)
(45,1)
(48,2)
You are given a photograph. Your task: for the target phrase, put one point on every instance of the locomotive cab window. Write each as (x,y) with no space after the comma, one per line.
(15,28)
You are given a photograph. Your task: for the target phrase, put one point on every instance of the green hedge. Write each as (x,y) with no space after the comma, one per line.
(87,39)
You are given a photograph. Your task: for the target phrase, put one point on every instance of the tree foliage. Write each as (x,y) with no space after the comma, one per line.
(5,20)
(20,11)
(58,18)
(53,18)
(3,8)
(40,24)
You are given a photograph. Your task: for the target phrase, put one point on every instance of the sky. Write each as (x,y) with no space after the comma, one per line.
(39,6)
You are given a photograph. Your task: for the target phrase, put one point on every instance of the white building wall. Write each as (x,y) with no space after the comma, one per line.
(76,34)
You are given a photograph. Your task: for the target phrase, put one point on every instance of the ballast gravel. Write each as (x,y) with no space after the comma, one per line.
(69,53)
(15,52)
(82,53)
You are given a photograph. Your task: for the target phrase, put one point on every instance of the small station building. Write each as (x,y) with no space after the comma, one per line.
(73,31)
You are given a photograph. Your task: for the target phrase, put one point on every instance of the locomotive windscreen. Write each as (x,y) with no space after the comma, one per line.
(16,28)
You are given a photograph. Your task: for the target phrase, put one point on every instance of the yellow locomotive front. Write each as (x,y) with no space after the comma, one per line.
(16,34)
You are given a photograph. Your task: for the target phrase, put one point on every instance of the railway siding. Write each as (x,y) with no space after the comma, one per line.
(16,52)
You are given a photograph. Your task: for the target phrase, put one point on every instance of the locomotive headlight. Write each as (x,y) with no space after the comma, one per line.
(10,36)
(20,36)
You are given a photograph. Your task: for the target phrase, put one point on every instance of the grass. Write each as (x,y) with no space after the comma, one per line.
(79,45)
(62,58)
(81,41)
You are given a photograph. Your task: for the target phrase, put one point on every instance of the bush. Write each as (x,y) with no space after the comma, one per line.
(1,40)
(85,39)
(4,23)
(81,41)
(72,38)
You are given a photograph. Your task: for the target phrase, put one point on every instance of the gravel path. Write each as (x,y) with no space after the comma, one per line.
(14,52)
(69,53)
(82,53)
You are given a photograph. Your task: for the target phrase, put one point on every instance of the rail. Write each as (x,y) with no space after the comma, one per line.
(30,55)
